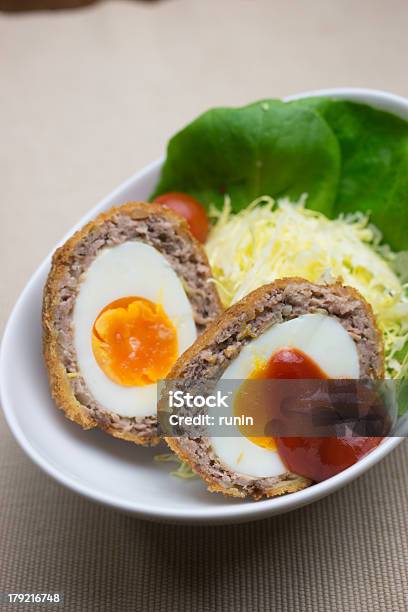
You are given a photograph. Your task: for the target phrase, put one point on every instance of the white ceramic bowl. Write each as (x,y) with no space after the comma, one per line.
(113,472)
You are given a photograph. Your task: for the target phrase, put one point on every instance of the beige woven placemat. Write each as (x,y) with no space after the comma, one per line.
(87,97)
(348,552)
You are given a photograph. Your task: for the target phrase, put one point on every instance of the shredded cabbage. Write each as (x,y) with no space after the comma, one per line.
(270,240)
(183,471)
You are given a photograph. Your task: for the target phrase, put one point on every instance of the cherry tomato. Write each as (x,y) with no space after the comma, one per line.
(321,458)
(190,209)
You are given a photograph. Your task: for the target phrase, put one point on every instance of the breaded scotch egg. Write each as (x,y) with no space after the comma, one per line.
(288,329)
(125,297)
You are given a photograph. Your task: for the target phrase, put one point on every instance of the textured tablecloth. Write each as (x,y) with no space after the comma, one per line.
(86,98)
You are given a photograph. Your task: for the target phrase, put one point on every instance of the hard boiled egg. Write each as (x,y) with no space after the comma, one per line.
(324,341)
(131,321)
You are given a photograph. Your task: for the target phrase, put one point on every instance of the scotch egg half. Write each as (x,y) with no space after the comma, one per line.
(289,329)
(125,297)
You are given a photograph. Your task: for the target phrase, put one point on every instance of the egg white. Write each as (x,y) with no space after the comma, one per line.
(319,336)
(130,269)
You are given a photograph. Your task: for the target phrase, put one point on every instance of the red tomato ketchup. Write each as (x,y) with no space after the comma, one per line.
(321,458)
(187,207)
(314,458)
(291,363)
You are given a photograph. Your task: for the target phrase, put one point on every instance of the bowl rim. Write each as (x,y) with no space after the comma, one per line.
(247,510)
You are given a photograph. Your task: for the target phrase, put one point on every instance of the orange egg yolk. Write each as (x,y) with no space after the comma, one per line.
(134,341)
(286,363)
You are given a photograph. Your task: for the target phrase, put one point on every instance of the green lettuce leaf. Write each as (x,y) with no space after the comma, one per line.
(374,175)
(346,156)
(265,148)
